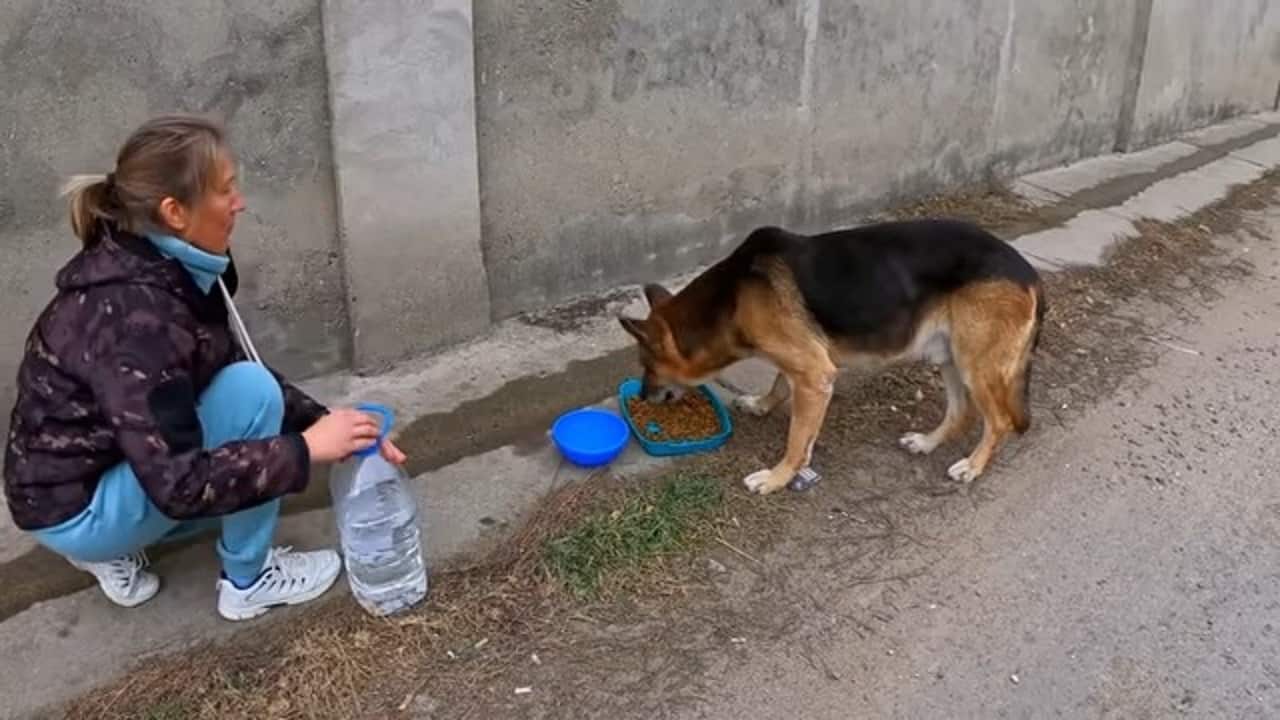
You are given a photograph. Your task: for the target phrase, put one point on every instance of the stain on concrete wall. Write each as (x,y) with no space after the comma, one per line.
(77,77)
(1062,81)
(902,102)
(621,140)
(1206,61)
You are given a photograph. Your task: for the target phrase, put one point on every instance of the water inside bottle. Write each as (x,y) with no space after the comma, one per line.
(378,528)
(382,550)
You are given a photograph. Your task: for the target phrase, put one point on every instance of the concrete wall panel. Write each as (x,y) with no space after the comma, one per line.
(403,95)
(1206,61)
(77,77)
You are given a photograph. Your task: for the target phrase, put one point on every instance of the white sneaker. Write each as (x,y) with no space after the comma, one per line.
(123,580)
(287,578)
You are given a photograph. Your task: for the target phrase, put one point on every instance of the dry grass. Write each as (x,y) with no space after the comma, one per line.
(479,627)
(988,205)
(327,662)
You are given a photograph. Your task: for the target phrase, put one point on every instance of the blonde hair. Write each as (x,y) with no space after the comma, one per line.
(168,156)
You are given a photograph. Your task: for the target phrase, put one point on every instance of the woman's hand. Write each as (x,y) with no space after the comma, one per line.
(341,433)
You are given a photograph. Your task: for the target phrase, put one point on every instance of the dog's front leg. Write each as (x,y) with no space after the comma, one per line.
(811,395)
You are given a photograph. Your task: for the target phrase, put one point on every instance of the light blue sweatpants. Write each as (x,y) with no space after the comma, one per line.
(244,402)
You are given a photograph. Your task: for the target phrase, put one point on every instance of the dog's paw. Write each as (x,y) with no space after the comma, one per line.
(762,482)
(751,404)
(917,443)
(963,471)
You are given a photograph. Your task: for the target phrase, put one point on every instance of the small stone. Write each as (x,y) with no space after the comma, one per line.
(1014,679)
(523,690)
(717,567)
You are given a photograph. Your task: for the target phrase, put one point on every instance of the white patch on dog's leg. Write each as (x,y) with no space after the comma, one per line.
(918,443)
(752,404)
(962,471)
(757,481)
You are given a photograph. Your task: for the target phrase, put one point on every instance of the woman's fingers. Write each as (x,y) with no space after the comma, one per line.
(392,453)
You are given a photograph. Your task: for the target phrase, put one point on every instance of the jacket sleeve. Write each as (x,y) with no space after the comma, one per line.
(140,376)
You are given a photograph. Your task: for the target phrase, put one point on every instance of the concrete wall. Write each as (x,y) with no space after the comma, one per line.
(76,77)
(494,156)
(1206,61)
(629,139)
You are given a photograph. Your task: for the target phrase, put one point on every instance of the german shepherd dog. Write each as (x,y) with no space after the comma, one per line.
(941,291)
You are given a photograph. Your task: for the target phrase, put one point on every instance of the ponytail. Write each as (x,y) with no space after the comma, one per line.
(169,156)
(90,202)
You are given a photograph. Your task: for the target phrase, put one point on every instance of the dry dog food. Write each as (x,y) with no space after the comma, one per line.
(690,418)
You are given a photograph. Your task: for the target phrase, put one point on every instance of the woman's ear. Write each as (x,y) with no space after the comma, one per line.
(173,215)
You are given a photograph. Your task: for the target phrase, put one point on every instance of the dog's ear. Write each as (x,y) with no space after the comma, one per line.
(655,294)
(638,329)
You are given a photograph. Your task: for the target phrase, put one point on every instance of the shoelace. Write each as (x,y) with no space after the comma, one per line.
(124,571)
(281,566)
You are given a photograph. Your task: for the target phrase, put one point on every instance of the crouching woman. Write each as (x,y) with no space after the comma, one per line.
(139,414)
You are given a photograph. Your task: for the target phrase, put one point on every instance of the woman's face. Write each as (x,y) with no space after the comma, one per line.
(208,223)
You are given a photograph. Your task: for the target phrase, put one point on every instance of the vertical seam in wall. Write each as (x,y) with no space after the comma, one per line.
(478,80)
(1276,104)
(340,235)
(810,15)
(1003,68)
(1133,78)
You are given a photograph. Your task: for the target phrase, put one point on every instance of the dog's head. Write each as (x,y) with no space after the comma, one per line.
(666,371)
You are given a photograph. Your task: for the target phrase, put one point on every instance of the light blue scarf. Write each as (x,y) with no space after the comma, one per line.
(204,268)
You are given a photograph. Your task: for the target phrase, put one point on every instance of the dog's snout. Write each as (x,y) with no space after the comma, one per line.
(662,394)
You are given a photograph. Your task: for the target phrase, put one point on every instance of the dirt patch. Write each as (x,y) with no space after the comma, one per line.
(506,641)
(574,315)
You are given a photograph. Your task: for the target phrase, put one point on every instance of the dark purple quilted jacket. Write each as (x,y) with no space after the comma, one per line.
(112,372)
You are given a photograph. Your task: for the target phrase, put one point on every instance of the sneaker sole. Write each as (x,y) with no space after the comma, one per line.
(249,613)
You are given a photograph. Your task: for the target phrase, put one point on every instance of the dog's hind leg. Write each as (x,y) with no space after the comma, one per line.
(954,423)
(761,405)
(992,327)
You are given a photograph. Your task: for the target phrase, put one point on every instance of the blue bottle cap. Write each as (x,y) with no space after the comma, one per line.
(388,419)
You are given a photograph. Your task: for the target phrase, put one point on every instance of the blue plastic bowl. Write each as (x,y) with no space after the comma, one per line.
(590,437)
(631,388)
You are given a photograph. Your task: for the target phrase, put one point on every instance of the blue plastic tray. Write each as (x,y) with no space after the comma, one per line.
(630,388)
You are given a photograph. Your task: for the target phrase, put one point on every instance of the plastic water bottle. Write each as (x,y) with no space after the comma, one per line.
(378,528)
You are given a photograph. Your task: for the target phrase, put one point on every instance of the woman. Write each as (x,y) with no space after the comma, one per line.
(139,416)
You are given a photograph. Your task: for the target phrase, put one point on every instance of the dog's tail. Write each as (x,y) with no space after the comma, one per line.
(1020,407)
